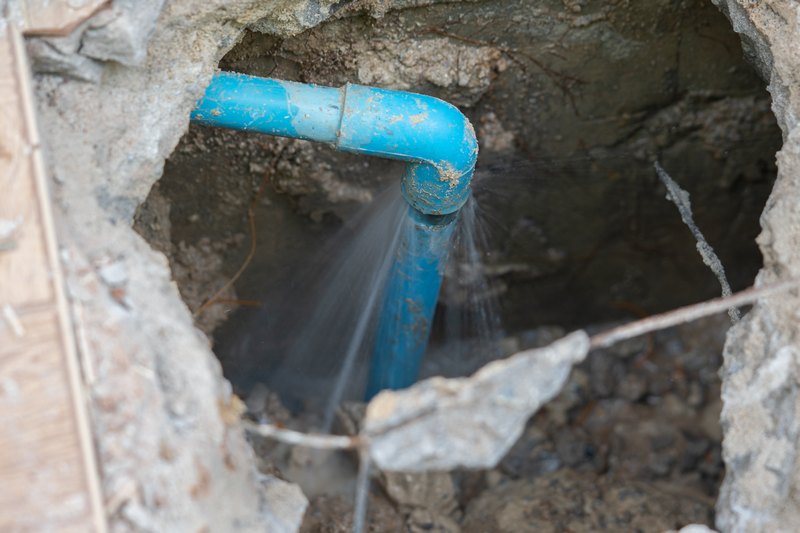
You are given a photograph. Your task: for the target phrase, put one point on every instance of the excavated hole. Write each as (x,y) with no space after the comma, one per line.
(572,103)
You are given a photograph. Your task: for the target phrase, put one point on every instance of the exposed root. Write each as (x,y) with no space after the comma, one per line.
(251,222)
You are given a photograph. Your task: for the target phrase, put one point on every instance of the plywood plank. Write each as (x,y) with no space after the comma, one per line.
(48,473)
(41,463)
(57,17)
(26,276)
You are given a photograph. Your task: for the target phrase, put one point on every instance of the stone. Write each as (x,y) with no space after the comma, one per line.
(441,424)
(121,33)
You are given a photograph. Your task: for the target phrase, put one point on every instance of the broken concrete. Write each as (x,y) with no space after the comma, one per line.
(114,99)
(441,424)
(760,390)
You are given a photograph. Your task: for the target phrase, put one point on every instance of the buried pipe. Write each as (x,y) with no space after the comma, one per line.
(436,140)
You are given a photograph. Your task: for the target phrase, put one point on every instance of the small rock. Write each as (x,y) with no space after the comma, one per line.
(114,274)
(425,521)
(433,491)
(605,371)
(632,387)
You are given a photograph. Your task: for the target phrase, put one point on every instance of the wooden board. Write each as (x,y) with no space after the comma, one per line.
(53,17)
(48,472)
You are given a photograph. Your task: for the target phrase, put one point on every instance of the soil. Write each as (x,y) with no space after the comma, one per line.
(632,443)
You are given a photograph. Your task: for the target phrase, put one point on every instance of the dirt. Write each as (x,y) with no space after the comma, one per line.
(571,102)
(632,443)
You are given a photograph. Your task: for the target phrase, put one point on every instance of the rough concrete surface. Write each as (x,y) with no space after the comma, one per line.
(440,424)
(761,376)
(114,99)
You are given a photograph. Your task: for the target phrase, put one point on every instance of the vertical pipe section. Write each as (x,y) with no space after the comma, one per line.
(409,301)
(439,144)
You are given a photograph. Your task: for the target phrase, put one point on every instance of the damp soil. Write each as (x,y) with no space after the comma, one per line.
(632,443)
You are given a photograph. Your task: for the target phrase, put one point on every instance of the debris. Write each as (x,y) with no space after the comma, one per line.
(441,424)
(681,200)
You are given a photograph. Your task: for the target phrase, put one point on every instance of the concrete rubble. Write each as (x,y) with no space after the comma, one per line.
(761,376)
(441,424)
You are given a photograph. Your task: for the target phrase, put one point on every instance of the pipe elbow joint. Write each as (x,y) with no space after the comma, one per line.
(433,136)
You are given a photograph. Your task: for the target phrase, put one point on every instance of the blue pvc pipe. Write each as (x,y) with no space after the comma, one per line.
(409,302)
(432,135)
(282,108)
(436,140)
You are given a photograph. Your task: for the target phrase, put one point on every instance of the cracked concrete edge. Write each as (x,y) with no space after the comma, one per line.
(121,33)
(165,421)
(761,374)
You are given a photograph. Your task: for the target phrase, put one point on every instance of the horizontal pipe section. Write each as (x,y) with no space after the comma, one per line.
(274,107)
(433,136)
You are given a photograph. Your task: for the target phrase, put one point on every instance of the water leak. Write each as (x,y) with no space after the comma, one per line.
(467,328)
(312,339)
(316,322)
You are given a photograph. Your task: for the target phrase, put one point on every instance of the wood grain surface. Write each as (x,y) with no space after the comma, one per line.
(48,474)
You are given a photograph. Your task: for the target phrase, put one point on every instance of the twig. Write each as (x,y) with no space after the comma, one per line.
(689,313)
(681,200)
(310,440)
(251,222)
(362,491)
(328,442)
